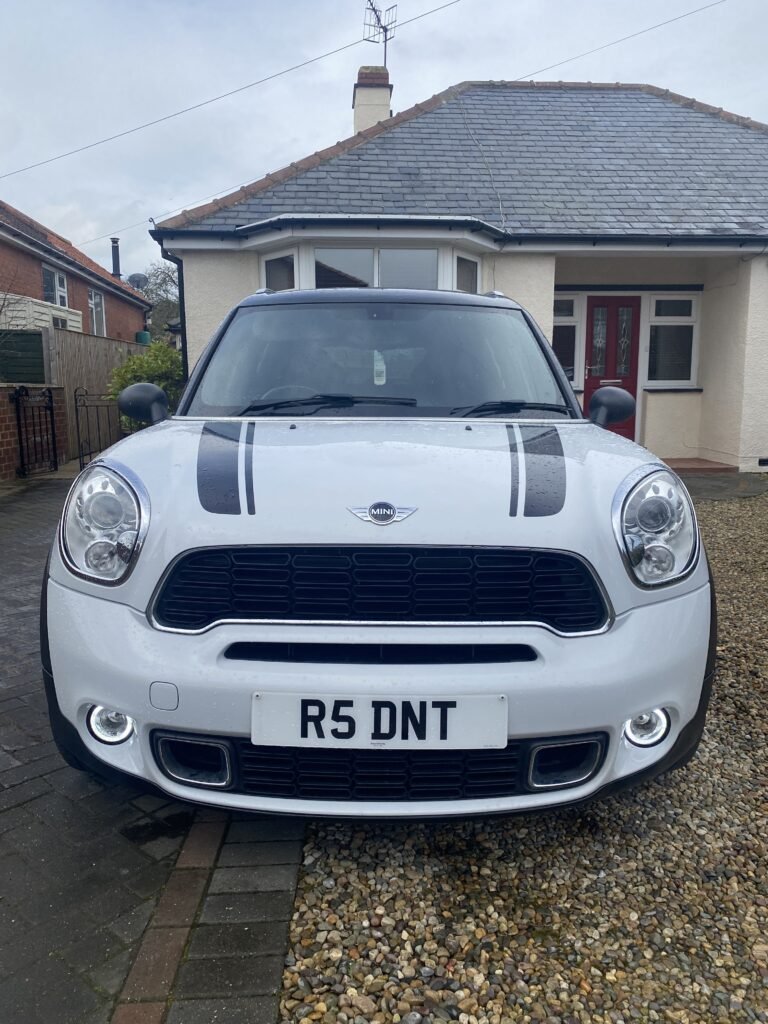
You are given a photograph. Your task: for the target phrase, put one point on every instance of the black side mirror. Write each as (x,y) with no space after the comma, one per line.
(611,405)
(146,403)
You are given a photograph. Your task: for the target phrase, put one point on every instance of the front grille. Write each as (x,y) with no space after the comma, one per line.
(380,654)
(312,773)
(380,584)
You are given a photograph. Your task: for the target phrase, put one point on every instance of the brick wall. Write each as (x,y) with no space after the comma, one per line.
(9,439)
(21,274)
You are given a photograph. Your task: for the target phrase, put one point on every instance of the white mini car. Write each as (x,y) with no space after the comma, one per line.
(378,563)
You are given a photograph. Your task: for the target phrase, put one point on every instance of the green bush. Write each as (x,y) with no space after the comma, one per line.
(159,365)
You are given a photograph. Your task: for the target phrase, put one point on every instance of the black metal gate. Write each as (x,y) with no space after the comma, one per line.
(36,428)
(98,424)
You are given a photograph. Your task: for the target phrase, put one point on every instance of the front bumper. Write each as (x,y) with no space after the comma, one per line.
(102,652)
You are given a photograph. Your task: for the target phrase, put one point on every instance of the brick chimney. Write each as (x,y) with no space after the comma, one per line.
(371,97)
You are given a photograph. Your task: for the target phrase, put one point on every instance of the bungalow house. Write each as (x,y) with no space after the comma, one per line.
(630,221)
(46,282)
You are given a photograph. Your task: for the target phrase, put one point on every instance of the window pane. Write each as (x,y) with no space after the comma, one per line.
(279,273)
(674,307)
(343,268)
(563,307)
(564,346)
(408,268)
(466,275)
(49,285)
(671,350)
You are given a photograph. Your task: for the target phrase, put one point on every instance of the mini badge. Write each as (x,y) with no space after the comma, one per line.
(383,513)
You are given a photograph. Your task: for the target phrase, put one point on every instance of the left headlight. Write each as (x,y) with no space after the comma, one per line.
(104,522)
(656,528)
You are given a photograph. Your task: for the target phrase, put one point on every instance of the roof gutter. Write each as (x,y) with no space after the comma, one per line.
(506,240)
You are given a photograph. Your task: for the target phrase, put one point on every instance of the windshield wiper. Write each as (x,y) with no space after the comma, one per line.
(316,402)
(501,406)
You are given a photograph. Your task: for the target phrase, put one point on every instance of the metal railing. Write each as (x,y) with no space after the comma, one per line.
(97,423)
(36,430)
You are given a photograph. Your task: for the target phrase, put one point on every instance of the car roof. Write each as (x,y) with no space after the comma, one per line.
(265,297)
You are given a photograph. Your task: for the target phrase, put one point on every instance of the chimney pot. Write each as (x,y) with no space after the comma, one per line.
(115,257)
(371,97)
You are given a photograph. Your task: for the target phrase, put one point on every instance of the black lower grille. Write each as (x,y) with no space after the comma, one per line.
(380,584)
(311,773)
(380,654)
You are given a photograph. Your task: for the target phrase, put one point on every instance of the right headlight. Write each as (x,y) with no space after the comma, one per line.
(656,528)
(104,523)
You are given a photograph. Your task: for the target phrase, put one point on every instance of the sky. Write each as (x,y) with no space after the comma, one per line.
(75,72)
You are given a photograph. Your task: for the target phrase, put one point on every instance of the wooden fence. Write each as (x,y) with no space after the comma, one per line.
(75,360)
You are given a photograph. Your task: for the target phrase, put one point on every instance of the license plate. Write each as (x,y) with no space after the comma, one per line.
(471,722)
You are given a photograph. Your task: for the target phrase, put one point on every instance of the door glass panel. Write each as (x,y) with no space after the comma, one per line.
(599,337)
(564,345)
(344,268)
(624,342)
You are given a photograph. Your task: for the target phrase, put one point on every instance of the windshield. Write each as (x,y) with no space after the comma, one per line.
(378,359)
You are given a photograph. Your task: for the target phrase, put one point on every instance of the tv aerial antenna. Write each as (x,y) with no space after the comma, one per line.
(379,26)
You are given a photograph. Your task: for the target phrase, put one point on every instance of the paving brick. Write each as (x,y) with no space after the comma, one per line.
(242,908)
(93,950)
(155,966)
(256,830)
(235,855)
(180,899)
(50,992)
(254,939)
(23,794)
(109,977)
(201,845)
(254,1010)
(140,1013)
(130,927)
(263,878)
(229,976)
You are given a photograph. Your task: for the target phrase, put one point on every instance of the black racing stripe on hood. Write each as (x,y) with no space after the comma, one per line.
(217,478)
(514,470)
(544,470)
(249,499)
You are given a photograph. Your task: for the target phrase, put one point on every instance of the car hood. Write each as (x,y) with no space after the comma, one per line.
(311,481)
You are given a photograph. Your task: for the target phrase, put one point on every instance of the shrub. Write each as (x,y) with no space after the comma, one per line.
(159,365)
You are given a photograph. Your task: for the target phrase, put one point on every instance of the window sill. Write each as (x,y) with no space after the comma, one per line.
(674,389)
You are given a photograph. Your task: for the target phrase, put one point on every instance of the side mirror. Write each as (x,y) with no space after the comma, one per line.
(610,405)
(146,403)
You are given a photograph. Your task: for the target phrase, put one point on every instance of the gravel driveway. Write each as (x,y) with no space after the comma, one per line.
(652,906)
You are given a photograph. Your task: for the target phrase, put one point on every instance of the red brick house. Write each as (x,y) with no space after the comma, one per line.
(46,282)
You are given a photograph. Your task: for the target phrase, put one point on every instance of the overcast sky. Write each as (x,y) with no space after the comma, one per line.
(74,72)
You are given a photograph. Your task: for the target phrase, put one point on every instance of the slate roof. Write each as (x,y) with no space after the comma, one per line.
(57,245)
(534,160)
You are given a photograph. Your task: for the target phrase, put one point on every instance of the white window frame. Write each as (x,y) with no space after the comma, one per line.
(687,321)
(276,255)
(472,259)
(579,321)
(92,293)
(60,285)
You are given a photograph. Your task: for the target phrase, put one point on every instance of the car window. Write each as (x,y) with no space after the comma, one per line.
(444,357)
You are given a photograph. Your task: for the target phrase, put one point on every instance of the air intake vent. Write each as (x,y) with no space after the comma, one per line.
(380,584)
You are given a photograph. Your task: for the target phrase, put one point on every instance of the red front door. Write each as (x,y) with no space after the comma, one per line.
(613,334)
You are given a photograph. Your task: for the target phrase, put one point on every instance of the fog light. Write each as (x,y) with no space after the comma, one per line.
(109,726)
(647,729)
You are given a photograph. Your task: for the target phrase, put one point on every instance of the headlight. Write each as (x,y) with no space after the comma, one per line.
(656,528)
(104,521)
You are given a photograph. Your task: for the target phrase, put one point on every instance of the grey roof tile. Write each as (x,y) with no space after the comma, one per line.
(563,159)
